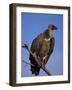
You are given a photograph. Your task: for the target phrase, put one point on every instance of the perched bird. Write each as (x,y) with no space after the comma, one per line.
(42,46)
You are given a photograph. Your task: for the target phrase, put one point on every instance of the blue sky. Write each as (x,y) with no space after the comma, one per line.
(32,25)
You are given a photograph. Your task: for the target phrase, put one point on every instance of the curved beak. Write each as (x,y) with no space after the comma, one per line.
(55,28)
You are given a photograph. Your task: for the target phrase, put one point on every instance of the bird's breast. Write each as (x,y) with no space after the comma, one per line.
(44,48)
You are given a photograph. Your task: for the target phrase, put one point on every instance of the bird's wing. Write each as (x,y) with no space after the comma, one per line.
(52,43)
(35,47)
(36,44)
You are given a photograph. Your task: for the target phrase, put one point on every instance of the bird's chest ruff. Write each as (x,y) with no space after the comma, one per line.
(47,40)
(45,48)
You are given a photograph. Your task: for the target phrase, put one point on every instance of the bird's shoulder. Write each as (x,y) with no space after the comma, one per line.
(39,38)
(37,42)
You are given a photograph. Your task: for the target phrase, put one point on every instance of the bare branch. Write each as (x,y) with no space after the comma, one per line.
(29,63)
(41,65)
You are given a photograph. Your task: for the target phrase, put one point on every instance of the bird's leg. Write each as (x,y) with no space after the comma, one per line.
(40,61)
(37,59)
(42,65)
(44,59)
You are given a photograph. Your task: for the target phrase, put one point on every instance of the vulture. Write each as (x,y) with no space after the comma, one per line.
(42,46)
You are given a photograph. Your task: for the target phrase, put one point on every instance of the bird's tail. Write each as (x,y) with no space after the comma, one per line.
(34,66)
(35,70)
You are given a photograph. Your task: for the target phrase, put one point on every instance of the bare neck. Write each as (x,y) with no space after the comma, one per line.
(50,33)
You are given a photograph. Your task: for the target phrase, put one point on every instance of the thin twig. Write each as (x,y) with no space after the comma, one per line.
(29,63)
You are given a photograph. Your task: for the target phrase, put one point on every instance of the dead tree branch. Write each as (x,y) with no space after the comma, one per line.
(39,62)
(29,63)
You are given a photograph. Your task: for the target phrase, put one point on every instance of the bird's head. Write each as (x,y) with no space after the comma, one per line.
(52,27)
(50,31)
